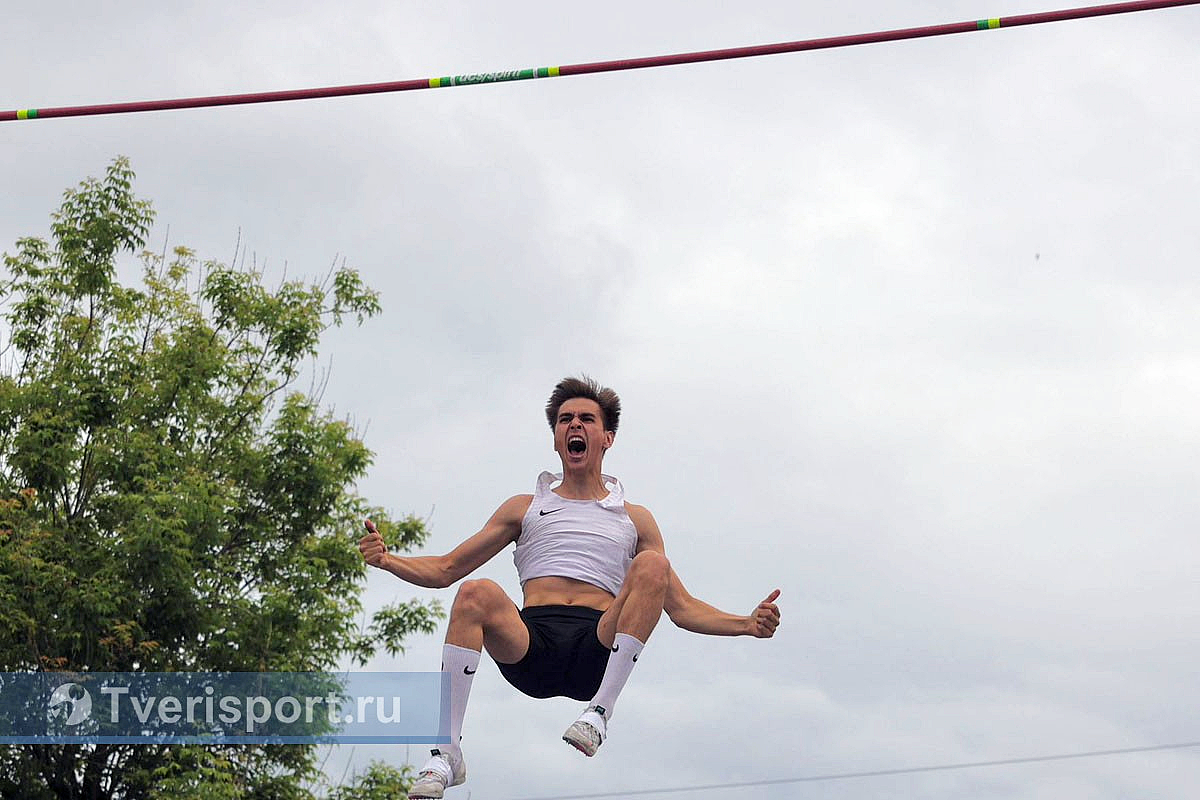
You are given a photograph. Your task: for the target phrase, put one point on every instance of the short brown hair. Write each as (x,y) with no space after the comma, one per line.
(583,386)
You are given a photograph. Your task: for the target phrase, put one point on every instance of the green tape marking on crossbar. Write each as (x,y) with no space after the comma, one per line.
(988,24)
(494,77)
(29,113)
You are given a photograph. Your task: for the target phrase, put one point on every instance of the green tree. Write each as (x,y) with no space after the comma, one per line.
(167,501)
(377,782)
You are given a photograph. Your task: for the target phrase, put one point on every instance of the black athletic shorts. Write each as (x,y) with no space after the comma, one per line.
(565,659)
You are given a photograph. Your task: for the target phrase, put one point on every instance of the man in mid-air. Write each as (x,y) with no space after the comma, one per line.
(595,579)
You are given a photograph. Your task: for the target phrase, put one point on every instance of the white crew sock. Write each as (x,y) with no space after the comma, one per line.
(625,652)
(460,663)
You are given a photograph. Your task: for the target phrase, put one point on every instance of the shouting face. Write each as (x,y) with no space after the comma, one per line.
(579,435)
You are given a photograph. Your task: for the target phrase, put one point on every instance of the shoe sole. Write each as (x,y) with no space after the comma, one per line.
(582,746)
(426,796)
(577,746)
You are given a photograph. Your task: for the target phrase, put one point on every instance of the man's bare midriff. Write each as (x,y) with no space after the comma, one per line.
(555,591)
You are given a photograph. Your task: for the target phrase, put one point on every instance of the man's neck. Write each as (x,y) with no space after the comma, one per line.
(584,484)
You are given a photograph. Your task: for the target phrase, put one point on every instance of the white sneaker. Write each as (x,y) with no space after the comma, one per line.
(444,768)
(587,733)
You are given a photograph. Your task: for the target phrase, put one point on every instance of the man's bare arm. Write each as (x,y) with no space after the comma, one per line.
(438,572)
(695,615)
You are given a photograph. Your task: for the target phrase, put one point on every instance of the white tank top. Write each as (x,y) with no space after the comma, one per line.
(588,540)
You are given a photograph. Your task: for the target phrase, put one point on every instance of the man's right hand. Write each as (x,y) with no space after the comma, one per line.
(373,550)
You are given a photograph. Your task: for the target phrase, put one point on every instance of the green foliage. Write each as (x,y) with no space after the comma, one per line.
(377,782)
(167,501)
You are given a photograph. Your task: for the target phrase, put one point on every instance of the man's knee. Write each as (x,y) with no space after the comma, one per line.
(650,569)
(476,599)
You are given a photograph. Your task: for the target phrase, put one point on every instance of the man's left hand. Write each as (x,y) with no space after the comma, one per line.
(765,618)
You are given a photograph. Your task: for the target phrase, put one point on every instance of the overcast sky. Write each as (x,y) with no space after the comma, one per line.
(908,331)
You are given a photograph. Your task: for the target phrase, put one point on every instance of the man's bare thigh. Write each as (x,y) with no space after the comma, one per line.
(505,636)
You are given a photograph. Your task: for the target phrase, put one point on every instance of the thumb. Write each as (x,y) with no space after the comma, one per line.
(772,597)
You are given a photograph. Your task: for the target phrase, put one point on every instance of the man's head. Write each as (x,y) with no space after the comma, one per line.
(584,416)
(585,387)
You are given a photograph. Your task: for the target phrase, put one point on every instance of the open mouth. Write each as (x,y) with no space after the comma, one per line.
(576,445)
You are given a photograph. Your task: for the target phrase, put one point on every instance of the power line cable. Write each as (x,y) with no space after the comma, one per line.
(877,773)
(598,66)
